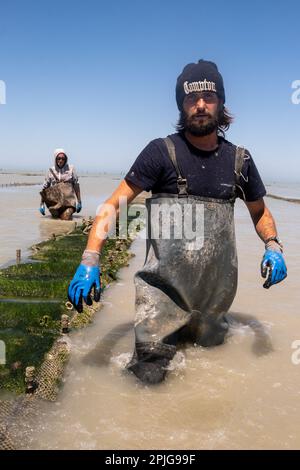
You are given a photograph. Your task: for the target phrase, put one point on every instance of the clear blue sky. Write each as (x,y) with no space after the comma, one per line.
(98,78)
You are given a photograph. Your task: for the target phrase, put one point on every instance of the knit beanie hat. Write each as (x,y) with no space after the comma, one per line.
(203,76)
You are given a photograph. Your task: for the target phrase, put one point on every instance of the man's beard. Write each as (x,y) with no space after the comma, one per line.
(197,126)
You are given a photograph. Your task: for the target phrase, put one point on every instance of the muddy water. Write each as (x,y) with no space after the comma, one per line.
(21,224)
(244,394)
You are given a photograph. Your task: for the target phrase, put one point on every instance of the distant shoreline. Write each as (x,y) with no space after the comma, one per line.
(283,198)
(12,183)
(42,173)
(114,176)
(9,185)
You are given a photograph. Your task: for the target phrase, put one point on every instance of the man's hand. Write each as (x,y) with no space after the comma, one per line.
(273,267)
(42,209)
(86,278)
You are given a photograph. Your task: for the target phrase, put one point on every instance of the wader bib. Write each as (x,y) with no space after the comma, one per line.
(186,285)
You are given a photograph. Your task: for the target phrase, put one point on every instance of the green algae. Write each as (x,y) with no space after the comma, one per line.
(29,329)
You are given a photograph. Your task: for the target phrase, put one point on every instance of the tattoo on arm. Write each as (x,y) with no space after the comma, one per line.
(263,220)
(265,226)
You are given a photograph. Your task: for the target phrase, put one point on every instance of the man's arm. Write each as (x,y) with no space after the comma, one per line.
(273,265)
(106,215)
(77,191)
(47,180)
(46,184)
(78,196)
(88,273)
(262,218)
(76,184)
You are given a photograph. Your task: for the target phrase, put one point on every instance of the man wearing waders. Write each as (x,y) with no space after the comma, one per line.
(187,285)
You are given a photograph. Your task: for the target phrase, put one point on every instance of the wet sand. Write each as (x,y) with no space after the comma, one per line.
(241,395)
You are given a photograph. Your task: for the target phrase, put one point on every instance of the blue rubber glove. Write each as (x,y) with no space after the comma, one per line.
(273,267)
(87,277)
(78,207)
(42,209)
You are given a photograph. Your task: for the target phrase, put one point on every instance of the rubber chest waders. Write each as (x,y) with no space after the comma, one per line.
(186,284)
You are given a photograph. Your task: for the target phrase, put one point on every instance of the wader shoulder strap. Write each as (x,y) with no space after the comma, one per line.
(181,182)
(238,165)
(54,175)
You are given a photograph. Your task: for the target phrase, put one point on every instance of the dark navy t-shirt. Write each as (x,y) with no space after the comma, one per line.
(208,173)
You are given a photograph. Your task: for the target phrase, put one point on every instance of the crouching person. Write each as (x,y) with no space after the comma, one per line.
(61,191)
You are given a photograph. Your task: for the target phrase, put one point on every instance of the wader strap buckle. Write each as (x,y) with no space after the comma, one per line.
(181,182)
(182,186)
